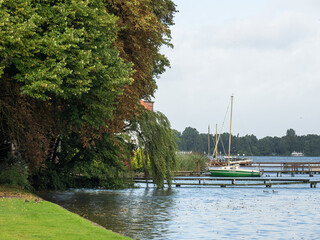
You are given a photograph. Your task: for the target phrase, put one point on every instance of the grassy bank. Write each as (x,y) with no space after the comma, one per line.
(25,216)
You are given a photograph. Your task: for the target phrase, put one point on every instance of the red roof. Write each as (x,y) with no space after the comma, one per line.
(147,104)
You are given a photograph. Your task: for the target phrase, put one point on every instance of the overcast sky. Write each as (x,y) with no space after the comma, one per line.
(264,52)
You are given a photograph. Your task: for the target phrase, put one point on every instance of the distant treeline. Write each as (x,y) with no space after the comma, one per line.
(191,140)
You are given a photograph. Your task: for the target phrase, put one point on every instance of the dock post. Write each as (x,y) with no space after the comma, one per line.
(269,184)
(292,174)
(313,185)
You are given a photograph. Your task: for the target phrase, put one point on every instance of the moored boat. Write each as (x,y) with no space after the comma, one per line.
(223,161)
(297,154)
(232,169)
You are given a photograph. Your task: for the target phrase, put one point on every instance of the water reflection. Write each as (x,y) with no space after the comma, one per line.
(134,212)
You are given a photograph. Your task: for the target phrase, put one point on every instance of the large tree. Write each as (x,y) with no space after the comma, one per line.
(59,72)
(144,29)
(72,73)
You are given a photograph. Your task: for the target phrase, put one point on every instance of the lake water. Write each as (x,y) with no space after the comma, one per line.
(283,159)
(290,212)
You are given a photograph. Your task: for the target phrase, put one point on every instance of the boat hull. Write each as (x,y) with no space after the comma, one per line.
(234,173)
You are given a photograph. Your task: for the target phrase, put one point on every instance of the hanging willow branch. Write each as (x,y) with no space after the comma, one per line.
(157,141)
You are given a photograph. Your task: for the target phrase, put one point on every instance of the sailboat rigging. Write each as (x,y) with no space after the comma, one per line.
(231,170)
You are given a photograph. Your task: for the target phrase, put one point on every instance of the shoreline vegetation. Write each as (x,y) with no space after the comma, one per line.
(26,216)
(191,140)
(77,79)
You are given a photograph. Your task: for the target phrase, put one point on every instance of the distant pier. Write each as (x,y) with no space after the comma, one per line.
(235,182)
(202,178)
(291,168)
(277,168)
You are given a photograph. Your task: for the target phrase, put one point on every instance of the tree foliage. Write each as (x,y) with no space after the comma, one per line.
(72,73)
(189,139)
(249,144)
(99,166)
(59,70)
(157,141)
(144,28)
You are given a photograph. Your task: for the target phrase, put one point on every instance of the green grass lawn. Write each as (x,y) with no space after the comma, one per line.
(25,217)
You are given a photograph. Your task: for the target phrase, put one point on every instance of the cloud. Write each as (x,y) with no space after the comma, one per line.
(262,33)
(270,62)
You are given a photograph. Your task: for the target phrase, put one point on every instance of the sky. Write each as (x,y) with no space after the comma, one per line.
(265,53)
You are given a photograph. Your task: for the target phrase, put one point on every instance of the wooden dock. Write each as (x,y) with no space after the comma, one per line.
(278,168)
(203,178)
(291,168)
(235,182)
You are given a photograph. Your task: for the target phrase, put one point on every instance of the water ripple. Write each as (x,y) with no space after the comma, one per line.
(200,213)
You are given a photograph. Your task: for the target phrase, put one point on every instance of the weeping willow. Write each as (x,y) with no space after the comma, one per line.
(156,139)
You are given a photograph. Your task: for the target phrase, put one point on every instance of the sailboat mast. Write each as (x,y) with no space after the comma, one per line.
(216,148)
(230,130)
(208,140)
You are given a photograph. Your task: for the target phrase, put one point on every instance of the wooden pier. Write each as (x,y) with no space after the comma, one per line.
(278,168)
(235,182)
(291,168)
(269,169)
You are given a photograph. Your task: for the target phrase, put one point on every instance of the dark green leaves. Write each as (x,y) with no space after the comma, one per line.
(64,50)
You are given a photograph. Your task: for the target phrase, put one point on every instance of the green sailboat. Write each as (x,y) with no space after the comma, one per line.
(232,170)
